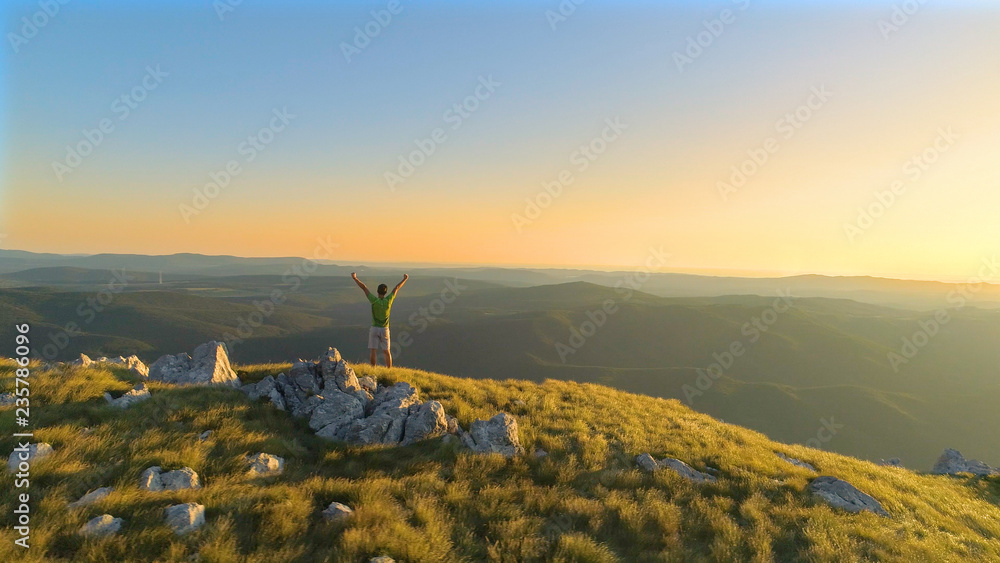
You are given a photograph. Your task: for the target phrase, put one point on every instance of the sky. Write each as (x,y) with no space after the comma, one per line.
(509,133)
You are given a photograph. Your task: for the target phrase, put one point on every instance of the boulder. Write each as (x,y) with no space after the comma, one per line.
(539,453)
(136,395)
(647,462)
(496,435)
(31,454)
(265,465)
(425,420)
(209,365)
(155,479)
(336,512)
(795,462)
(91,497)
(841,494)
(382,559)
(952,462)
(103,525)
(184,518)
(7,400)
(368,383)
(335,413)
(83,361)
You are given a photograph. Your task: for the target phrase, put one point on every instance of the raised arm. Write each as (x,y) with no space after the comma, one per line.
(400,284)
(363,287)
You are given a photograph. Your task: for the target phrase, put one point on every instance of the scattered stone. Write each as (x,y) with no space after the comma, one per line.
(894,462)
(841,494)
(103,525)
(647,462)
(83,361)
(136,395)
(184,518)
(133,363)
(453,427)
(204,435)
(496,435)
(518,403)
(539,453)
(265,465)
(336,512)
(952,462)
(154,479)
(382,559)
(795,462)
(31,454)
(208,366)
(7,400)
(91,497)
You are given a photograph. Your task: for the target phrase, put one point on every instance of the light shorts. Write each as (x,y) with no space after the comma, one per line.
(378,338)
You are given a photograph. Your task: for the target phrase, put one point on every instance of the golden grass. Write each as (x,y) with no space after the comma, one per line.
(432,501)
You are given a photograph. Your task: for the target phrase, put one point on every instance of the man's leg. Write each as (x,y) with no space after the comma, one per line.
(388,358)
(373,355)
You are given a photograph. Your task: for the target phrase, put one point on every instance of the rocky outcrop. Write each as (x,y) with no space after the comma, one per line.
(133,363)
(649,463)
(496,435)
(209,365)
(155,479)
(342,407)
(91,497)
(31,454)
(841,494)
(185,518)
(952,462)
(136,395)
(336,512)
(795,462)
(103,525)
(265,465)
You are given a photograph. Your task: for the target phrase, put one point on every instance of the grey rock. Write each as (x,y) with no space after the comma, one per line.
(453,427)
(338,410)
(795,462)
(952,462)
(425,420)
(647,462)
(841,494)
(382,559)
(265,465)
(83,361)
(894,462)
(496,435)
(370,430)
(209,365)
(539,453)
(103,525)
(368,383)
(133,396)
(33,453)
(204,435)
(7,400)
(155,479)
(336,512)
(185,518)
(398,397)
(303,376)
(91,497)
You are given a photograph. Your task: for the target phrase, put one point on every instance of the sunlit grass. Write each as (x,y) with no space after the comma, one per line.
(432,501)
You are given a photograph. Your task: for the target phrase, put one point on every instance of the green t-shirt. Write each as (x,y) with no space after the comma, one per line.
(380,309)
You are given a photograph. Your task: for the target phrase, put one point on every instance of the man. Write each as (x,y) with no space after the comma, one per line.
(378,334)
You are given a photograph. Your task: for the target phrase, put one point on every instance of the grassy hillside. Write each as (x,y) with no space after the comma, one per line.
(431,501)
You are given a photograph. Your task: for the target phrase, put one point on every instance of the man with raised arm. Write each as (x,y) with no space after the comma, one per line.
(378,334)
